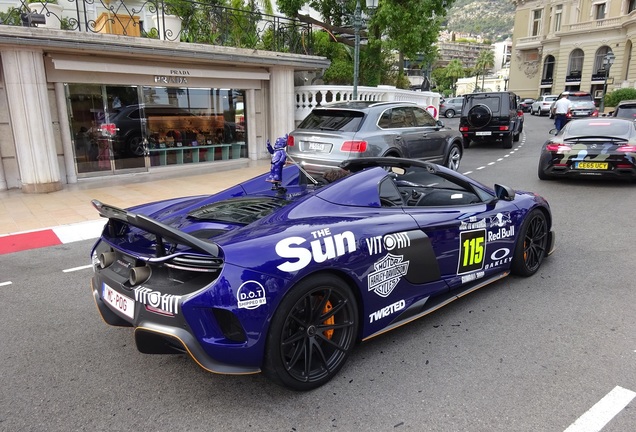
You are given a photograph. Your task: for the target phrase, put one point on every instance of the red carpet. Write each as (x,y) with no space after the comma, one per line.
(31,240)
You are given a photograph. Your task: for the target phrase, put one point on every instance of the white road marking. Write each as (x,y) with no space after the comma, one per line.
(77,268)
(481,167)
(490,163)
(605,410)
(499,160)
(5,283)
(468,172)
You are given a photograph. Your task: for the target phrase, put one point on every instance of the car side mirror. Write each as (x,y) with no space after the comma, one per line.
(440,124)
(504,192)
(553,131)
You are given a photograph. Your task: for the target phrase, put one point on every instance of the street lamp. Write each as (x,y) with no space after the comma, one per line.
(608,61)
(357,24)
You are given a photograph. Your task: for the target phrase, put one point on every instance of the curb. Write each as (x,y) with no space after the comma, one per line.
(16,242)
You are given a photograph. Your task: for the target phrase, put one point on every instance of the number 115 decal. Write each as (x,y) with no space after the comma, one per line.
(472,245)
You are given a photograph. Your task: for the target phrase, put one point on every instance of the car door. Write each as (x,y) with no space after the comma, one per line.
(433,139)
(408,138)
(472,234)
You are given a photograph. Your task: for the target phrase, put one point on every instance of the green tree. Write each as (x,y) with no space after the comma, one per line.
(454,70)
(485,61)
(613,98)
(409,28)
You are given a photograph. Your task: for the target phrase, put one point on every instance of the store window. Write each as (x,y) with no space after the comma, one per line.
(599,57)
(123,128)
(548,68)
(575,65)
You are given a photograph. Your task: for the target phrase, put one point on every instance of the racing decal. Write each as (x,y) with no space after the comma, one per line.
(387,243)
(473,276)
(502,233)
(326,246)
(499,257)
(251,295)
(388,272)
(500,220)
(472,245)
(166,302)
(472,224)
(386,311)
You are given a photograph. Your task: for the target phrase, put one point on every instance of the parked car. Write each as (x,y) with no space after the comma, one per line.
(526,104)
(582,104)
(543,105)
(287,280)
(590,147)
(449,107)
(491,116)
(333,133)
(625,109)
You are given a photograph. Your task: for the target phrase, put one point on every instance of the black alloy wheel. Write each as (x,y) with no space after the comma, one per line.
(532,244)
(312,333)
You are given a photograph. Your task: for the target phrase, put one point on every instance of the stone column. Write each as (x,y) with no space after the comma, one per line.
(281,102)
(30,117)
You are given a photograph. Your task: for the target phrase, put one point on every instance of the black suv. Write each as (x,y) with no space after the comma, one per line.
(491,116)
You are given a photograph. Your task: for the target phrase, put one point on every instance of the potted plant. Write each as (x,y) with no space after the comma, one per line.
(51,10)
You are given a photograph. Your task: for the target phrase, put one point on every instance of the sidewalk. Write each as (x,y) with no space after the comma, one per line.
(37,220)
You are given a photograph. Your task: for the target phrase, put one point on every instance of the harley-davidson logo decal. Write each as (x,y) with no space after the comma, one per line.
(388,273)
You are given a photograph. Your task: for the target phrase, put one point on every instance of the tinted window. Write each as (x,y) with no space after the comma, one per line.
(333,120)
(580,98)
(423,118)
(494,103)
(615,129)
(628,112)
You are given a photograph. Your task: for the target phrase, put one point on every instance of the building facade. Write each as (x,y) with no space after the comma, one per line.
(75,105)
(561,45)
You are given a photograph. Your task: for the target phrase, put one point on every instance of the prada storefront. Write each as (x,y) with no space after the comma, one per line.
(134,116)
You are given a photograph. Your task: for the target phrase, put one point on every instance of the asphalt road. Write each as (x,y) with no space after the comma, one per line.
(524,354)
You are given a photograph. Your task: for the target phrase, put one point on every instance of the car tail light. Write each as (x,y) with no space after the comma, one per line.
(463,128)
(624,166)
(568,115)
(595,113)
(354,146)
(504,128)
(520,112)
(290,141)
(627,149)
(557,147)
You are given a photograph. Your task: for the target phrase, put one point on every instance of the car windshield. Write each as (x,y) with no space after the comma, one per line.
(490,102)
(551,98)
(580,98)
(601,128)
(333,120)
(626,112)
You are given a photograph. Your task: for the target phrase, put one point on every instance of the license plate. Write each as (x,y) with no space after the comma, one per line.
(592,165)
(579,113)
(317,147)
(119,302)
(483,133)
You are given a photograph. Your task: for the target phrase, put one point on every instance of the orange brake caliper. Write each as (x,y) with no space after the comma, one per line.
(330,321)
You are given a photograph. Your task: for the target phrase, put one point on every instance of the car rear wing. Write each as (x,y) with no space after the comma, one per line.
(152,226)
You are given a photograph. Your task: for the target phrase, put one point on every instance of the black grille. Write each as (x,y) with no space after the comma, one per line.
(240,210)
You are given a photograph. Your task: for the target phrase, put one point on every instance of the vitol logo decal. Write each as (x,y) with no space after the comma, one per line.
(379,244)
(165,302)
(386,311)
(326,246)
(251,295)
(388,273)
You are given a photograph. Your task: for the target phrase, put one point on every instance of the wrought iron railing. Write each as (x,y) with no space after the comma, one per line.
(202,21)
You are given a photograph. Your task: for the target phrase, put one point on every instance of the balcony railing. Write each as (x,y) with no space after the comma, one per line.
(310,97)
(195,21)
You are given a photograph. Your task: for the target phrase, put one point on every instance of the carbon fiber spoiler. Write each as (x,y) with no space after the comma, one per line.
(160,230)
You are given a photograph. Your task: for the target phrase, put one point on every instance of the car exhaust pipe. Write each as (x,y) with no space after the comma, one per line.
(106,259)
(139,275)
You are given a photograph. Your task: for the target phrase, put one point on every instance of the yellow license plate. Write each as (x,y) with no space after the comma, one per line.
(592,165)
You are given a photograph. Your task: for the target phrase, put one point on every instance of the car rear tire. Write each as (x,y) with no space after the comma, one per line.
(449,113)
(466,142)
(479,116)
(312,333)
(532,244)
(453,158)
(507,141)
(542,174)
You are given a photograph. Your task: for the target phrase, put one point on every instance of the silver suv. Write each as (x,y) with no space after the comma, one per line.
(582,105)
(335,132)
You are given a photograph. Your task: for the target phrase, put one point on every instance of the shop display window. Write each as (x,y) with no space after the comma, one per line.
(117,128)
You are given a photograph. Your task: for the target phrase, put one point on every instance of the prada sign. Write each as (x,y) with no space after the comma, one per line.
(177,76)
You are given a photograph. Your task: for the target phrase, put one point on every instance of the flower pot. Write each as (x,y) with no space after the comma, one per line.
(172,30)
(51,11)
